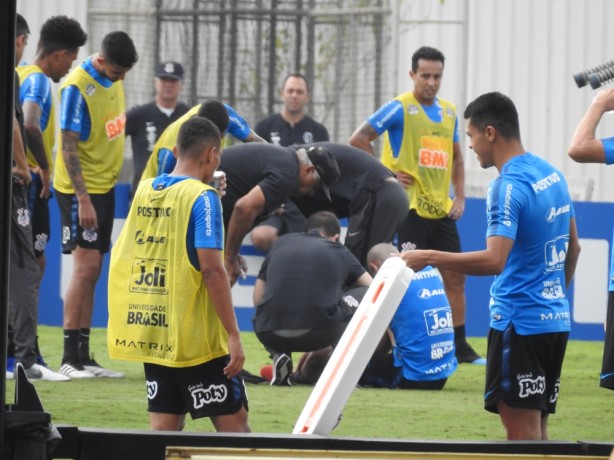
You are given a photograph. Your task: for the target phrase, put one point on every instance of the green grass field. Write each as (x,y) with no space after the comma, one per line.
(585,412)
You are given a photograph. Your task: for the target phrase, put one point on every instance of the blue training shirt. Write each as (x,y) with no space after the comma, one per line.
(74,114)
(390,117)
(37,88)
(530,203)
(206,225)
(423,330)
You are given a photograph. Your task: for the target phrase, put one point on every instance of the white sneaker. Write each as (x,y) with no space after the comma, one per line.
(72,370)
(101,372)
(10,375)
(38,372)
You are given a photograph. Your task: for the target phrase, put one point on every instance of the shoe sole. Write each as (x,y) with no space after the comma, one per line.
(281,372)
(102,373)
(73,373)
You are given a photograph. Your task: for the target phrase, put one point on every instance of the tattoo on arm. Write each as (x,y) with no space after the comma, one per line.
(73,164)
(34,139)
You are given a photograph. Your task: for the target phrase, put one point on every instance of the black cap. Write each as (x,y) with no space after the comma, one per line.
(326,165)
(169,69)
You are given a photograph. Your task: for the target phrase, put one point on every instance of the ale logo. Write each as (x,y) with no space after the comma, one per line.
(149,276)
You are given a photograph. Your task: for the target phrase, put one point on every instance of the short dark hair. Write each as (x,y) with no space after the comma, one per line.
(61,33)
(195,134)
(21,26)
(496,110)
(323,221)
(216,112)
(118,49)
(296,75)
(427,53)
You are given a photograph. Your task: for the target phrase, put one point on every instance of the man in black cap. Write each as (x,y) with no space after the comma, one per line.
(366,193)
(260,178)
(145,123)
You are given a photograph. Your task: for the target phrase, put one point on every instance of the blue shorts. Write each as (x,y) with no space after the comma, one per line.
(202,390)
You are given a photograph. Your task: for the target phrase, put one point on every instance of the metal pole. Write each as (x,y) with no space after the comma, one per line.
(272,58)
(221,52)
(232,74)
(8,10)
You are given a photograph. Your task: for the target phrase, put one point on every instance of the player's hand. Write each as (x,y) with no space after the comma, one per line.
(45,179)
(406,180)
(237,356)
(22,176)
(458,208)
(416,259)
(605,98)
(87,214)
(235,267)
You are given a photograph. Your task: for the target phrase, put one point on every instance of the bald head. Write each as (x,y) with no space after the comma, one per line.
(378,254)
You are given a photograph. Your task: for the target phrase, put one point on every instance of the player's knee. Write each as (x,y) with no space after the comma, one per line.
(263,237)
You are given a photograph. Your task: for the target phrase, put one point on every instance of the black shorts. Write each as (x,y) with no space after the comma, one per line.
(524,371)
(291,220)
(422,233)
(39,213)
(381,373)
(203,390)
(606,379)
(74,235)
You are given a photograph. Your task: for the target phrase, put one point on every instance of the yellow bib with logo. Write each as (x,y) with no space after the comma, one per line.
(102,154)
(426,154)
(24,72)
(159,309)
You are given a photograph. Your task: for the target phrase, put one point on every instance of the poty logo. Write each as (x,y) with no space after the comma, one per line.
(553,213)
(528,386)
(213,394)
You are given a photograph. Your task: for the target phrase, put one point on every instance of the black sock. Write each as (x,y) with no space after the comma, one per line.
(459,335)
(71,345)
(84,344)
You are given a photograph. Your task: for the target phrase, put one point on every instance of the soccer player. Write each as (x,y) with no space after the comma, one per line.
(170,292)
(92,152)
(586,148)
(421,146)
(533,251)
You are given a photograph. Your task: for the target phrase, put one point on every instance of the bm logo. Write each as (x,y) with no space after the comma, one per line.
(149,276)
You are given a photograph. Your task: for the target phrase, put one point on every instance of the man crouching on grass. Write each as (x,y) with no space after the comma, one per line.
(170,304)
(532,246)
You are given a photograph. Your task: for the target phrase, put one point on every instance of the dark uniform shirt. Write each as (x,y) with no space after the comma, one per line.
(305,276)
(305,131)
(275,169)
